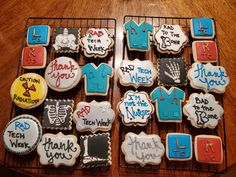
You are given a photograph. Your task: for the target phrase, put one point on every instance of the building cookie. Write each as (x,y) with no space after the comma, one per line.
(58,149)
(58,114)
(137,73)
(202,28)
(208,149)
(22,134)
(38,35)
(170,39)
(203,110)
(97,43)
(168,103)
(95,150)
(142,149)
(93,116)
(66,40)
(29,90)
(135,108)
(62,74)
(138,35)
(97,78)
(208,77)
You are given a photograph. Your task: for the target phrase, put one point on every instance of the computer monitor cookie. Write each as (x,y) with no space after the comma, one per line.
(38,35)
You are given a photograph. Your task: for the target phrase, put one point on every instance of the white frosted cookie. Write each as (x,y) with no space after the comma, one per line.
(137,73)
(58,149)
(170,39)
(94,116)
(208,77)
(135,108)
(142,149)
(97,43)
(62,74)
(203,110)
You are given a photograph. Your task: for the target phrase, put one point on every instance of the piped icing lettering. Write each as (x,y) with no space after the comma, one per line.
(202,28)
(38,35)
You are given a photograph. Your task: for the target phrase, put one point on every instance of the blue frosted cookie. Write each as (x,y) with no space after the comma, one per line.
(38,35)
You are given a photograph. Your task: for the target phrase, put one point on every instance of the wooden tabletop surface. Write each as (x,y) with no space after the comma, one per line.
(13,16)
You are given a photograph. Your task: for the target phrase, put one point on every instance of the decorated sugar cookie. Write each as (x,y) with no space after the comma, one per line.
(138,35)
(34,57)
(95,150)
(66,40)
(28,90)
(97,78)
(170,39)
(58,149)
(93,116)
(135,108)
(97,43)
(22,134)
(137,73)
(208,77)
(203,110)
(142,149)
(58,114)
(62,74)
(168,103)
(208,149)
(38,35)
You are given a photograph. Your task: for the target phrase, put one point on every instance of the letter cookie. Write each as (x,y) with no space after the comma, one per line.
(97,43)
(138,35)
(137,73)
(58,149)
(22,134)
(208,77)
(142,149)
(62,74)
(93,116)
(38,35)
(135,108)
(170,39)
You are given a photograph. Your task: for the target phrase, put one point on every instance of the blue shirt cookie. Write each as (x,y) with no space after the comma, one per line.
(38,35)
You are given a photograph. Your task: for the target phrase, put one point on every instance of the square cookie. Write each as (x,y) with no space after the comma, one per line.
(38,35)
(58,114)
(202,28)
(34,57)
(95,150)
(208,149)
(205,51)
(179,146)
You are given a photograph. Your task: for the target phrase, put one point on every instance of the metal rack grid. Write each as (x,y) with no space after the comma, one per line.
(31,161)
(155,127)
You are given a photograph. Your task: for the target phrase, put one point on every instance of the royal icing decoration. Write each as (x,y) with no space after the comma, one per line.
(137,73)
(208,77)
(135,108)
(34,57)
(172,71)
(138,35)
(205,51)
(38,35)
(93,116)
(179,146)
(22,134)
(95,150)
(67,40)
(58,149)
(97,78)
(97,43)
(203,110)
(208,149)
(58,114)
(62,74)
(168,103)
(202,28)
(170,39)
(28,90)
(142,149)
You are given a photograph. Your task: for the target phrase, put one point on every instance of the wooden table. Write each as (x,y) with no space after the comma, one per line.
(14,14)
